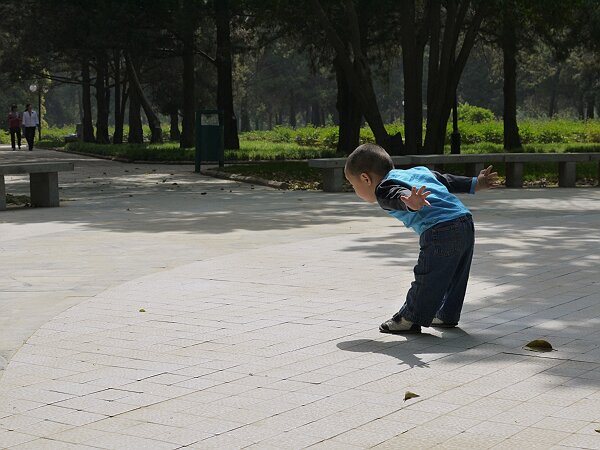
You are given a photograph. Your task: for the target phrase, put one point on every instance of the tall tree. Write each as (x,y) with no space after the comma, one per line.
(102,98)
(135,86)
(223,61)
(120,97)
(414,35)
(352,60)
(86,100)
(349,110)
(518,26)
(454,28)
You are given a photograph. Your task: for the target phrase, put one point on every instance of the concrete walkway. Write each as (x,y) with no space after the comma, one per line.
(260,319)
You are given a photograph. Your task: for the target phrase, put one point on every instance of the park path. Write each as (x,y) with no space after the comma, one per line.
(260,314)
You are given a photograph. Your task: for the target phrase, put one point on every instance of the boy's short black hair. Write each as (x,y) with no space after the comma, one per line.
(369,158)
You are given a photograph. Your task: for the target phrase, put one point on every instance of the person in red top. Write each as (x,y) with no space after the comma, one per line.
(14,124)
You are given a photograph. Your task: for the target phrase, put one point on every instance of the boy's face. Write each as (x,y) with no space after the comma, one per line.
(363,186)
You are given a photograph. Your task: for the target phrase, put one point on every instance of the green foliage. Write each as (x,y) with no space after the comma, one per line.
(487,147)
(298,140)
(559,131)
(308,136)
(55,136)
(474,114)
(261,150)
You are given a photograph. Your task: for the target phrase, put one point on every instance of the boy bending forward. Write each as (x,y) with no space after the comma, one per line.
(443,223)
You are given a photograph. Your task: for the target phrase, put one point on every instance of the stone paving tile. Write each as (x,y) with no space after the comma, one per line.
(50,444)
(9,438)
(471,440)
(264,334)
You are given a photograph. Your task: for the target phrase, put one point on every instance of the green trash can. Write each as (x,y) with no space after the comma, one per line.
(209,138)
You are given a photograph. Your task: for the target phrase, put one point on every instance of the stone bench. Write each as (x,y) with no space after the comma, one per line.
(333,168)
(566,166)
(43,180)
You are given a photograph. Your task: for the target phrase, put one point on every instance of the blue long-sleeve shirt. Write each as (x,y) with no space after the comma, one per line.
(445,205)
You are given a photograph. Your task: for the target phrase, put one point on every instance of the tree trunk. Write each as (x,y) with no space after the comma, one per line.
(136,133)
(174,133)
(189,92)
(349,114)
(358,74)
(124,97)
(101,99)
(134,83)
(444,75)
(315,113)
(512,140)
(119,111)
(590,105)
(581,106)
(412,63)
(335,114)
(554,92)
(292,110)
(224,75)
(86,100)
(245,119)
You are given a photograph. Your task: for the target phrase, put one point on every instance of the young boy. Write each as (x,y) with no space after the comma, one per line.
(445,228)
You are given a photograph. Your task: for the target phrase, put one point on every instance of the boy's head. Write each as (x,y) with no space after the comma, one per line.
(13,107)
(365,168)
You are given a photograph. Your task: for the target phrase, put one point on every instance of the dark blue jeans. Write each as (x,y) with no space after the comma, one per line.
(30,136)
(441,273)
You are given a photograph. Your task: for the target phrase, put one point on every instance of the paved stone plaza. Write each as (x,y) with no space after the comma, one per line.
(261,310)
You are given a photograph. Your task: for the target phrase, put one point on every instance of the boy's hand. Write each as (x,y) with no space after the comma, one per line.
(486,179)
(417,199)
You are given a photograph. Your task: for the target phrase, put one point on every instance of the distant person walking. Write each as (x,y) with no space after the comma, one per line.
(30,123)
(14,124)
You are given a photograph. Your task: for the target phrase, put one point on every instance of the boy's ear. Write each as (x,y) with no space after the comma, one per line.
(365,178)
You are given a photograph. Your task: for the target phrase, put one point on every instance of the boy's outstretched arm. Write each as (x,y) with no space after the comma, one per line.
(468,185)
(456,184)
(486,179)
